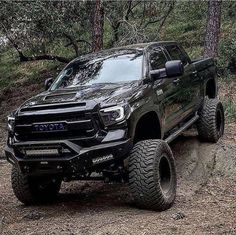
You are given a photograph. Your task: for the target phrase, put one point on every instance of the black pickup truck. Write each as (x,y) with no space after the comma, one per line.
(110,116)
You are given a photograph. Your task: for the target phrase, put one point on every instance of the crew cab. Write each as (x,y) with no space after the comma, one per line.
(110,116)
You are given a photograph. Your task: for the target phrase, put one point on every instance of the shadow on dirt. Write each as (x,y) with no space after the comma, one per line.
(73,198)
(196,162)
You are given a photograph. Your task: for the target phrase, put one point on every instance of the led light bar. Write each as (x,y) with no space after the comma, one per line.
(41,152)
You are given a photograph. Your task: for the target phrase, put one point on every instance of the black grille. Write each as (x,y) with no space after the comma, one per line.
(29,119)
(78,125)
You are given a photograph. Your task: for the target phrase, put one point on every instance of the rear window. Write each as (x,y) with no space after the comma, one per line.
(157,58)
(176,54)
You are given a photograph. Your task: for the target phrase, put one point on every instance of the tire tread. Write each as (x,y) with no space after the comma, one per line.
(143,179)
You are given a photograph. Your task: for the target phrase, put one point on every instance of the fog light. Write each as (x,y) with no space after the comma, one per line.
(102,159)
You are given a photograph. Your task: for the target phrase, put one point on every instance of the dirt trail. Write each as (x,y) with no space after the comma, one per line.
(205,203)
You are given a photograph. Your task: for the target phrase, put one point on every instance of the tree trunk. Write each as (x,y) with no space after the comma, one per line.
(97,26)
(212,28)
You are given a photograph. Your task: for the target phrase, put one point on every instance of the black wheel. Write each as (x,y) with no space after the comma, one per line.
(152,175)
(211,121)
(33,190)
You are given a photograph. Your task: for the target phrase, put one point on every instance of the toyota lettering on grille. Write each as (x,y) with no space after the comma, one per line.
(48,127)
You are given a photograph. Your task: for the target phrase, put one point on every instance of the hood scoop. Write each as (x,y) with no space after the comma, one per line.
(60,97)
(54,101)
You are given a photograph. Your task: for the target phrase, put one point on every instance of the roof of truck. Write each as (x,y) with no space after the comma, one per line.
(142,46)
(133,47)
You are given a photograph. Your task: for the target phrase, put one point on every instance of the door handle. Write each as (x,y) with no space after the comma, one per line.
(176,81)
(195,74)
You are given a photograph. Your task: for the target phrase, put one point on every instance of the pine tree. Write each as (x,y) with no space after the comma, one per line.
(97,27)
(212,28)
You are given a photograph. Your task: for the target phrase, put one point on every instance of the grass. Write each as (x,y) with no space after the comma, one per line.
(227,92)
(230,109)
(13,72)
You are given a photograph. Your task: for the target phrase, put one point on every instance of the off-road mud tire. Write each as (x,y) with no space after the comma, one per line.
(34,190)
(152,175)
(210,125)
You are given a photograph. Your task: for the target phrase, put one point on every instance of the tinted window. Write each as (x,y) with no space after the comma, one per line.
(115,68)
(157,59)
(176,54)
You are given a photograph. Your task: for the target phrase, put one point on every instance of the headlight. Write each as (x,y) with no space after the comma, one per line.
(114,114)
(10,123)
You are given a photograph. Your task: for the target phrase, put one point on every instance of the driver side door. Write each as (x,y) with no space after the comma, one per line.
(188,84)
(165,90)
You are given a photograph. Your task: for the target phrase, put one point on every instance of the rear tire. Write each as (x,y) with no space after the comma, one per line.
(152,175)
(34,190)
(211,121)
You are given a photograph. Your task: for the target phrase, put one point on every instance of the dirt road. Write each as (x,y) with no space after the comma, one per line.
(205,203)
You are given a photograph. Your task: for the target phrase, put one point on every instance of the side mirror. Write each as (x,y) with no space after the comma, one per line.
(158,74)
(174,68)
(48,82)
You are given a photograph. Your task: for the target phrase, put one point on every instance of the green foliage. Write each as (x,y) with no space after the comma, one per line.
(34,26)
(194,52)
(227,93)
(13,72)
(187,22)
(40,27)
(229,10)
(227,55)
(187,25)
(230,109)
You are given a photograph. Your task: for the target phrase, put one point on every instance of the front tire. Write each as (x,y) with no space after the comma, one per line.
(152,175)
(211,121)
(34,190)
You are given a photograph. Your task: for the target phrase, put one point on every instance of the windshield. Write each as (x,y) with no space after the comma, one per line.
(111,69)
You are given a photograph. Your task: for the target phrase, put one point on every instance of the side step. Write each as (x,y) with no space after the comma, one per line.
(181,129)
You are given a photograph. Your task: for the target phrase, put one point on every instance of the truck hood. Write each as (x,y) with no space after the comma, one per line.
(102,94)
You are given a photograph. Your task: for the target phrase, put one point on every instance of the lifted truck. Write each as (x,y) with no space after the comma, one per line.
(110,116)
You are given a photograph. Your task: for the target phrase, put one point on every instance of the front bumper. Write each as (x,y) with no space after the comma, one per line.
(79,161)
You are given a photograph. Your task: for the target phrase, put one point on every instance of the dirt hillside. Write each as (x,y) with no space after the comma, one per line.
(205,203)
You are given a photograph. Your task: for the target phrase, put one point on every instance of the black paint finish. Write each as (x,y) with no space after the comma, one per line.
(70,115)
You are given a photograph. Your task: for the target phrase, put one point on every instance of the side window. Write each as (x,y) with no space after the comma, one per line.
(157,58)
(176,54)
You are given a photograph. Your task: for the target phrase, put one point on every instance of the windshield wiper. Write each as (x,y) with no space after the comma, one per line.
(104,83)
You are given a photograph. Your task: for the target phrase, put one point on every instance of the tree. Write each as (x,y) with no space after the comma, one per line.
(212,28)
(97,26)
(131,21)
(36,30)
(62,30)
